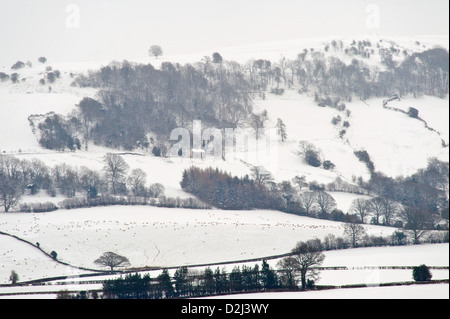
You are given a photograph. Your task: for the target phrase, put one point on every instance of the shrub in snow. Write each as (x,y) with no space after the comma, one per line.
(309,153)
(336,120)
(422,273)
(312,158)
(412,112)
(54,254)
(15,78)
(18,65)
(328,165)
(364,157)
(4,77)
(51,77)
(156,151)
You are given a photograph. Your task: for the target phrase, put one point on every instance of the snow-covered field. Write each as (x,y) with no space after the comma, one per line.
(437,291)
(354,259)
(151,236)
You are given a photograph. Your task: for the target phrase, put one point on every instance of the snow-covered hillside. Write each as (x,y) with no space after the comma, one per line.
(398,144)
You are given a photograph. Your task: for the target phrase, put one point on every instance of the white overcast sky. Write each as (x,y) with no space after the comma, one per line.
(113,29)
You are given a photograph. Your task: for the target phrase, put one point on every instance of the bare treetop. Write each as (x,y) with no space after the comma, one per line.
(112,260)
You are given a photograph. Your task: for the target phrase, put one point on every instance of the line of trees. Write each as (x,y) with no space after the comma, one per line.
(418,217)
(299,268)
(221,190)
(116,179)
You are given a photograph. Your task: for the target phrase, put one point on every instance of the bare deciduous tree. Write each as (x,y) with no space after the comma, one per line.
(112,260)
(137,180)
(325,201)
(156,190)
(390,209)
(307,200)
(354,232)
(289,269)
(305,256)
(115,170)
(300,181)
(10,181)
(360,207)
(376,207)
(261,175)
(417,222)
(156,51)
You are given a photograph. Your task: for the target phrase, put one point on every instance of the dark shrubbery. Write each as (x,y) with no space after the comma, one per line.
(156,151)
(328,165)
(109,200)
(55,134)
(4,77)
(188,283)
(364,157)
(412,112)
(422,273)
(15,78)
(131,287)
(18,65)
(312,158)
(310,153)
(51,77)
(38,207)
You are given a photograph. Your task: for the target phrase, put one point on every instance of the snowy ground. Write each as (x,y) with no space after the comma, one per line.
(354,259)
(399,145)
(436,291)
(151,236)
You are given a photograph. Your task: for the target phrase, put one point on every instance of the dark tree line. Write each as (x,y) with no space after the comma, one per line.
(422,73)
(187,282)
(224,191)
(82,186)
(415,203)
(95,187)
